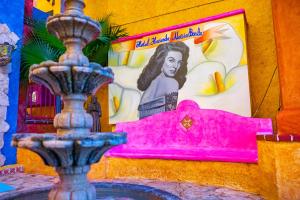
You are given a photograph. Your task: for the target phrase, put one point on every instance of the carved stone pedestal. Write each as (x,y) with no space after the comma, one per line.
(73,185)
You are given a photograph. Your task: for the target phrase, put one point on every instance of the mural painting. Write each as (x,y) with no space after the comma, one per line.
(204,61)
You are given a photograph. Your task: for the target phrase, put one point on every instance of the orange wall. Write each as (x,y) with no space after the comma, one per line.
(96,9)
(287,27)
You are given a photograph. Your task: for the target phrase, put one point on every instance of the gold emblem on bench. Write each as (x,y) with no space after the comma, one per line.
(187,122)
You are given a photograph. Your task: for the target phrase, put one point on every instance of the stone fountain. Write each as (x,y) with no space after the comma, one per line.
(73,148)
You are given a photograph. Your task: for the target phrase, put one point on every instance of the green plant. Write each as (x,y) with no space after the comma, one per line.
(40,45)
(97,50)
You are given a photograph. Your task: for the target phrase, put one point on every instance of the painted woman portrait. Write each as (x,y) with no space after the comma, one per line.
(162,77)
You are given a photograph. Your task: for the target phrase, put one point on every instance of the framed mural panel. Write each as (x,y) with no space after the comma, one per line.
(204,61)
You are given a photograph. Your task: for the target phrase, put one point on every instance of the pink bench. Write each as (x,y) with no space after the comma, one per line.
(191,133)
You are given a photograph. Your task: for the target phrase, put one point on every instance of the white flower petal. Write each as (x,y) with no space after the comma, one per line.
(128,110)
(236,99)
(227,49)
(139,58)
(200,80)
(126,76)
(195,54)
(114,91)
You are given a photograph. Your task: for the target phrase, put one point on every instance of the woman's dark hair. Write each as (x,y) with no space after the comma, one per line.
(153,68)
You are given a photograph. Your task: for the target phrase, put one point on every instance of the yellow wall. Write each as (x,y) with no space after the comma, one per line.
(276,176)
(143,16)
(288,167)
(272,178)
(46,6)
(150,15)
(94,9)
(259,179)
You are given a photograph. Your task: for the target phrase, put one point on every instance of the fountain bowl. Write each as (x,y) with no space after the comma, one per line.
(107,191)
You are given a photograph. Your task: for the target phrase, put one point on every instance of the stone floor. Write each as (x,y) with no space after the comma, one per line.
(187,191)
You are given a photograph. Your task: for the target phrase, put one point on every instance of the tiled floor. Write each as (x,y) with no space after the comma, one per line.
(187,191)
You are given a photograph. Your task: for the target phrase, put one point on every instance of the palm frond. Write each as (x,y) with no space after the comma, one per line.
(34,52)
(97,50)
(40,31)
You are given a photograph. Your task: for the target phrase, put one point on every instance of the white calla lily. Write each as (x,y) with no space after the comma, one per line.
(221,36)
(123,104)
(225,46)
(117,58)
(195,56)
(139,58)
(201,80)
(127,76)
(235,98)
(114,96)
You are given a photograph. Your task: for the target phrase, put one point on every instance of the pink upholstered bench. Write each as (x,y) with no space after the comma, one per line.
(191,133)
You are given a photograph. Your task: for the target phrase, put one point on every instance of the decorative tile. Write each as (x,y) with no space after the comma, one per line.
(11,169)
(187,122)
(279,138)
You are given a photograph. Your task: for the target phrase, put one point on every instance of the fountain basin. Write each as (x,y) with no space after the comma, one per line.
(63,79)
(73,26)
(108,191)
(71,155)
(68,150)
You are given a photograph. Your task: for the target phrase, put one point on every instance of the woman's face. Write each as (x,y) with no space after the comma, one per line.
(172,63)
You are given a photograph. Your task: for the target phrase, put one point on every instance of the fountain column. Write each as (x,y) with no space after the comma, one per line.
(73,148)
